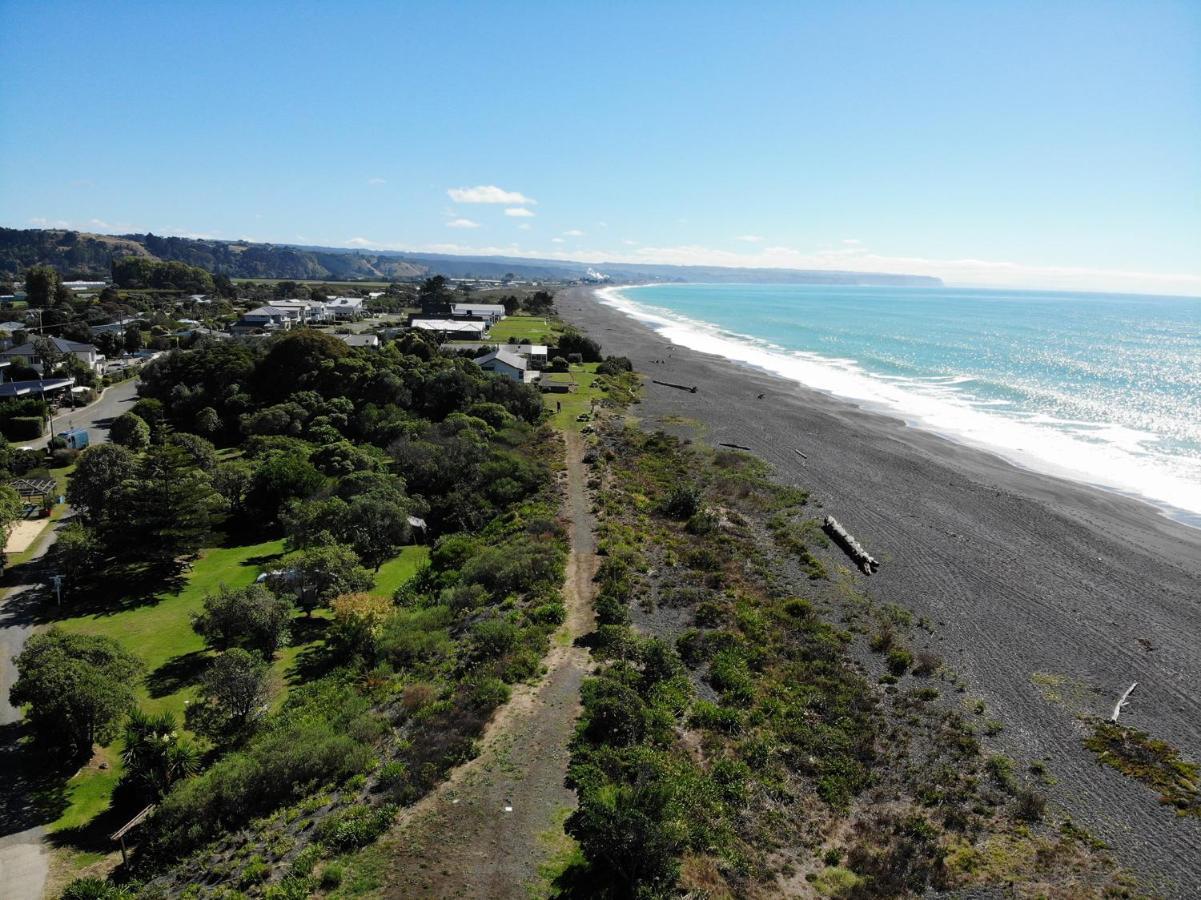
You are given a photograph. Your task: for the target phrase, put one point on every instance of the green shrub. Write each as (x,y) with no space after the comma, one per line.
(254,872)
(899,660)
(356,826)
(331,876)
(23,428)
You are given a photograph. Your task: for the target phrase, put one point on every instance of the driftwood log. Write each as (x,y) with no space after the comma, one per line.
(1117,707)
(734,446)
(853,548)
(678,387)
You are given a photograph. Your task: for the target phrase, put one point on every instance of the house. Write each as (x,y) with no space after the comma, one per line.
(509,364)
(306,311)
(533,352)
(30,355)
(489,312)
(264,318)
(469,331)
(345,307)
(360,340)
(79,286)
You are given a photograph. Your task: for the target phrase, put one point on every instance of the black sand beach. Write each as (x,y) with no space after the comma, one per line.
(1048,597)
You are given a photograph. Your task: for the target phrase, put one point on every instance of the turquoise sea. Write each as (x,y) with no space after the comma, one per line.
(1102,388)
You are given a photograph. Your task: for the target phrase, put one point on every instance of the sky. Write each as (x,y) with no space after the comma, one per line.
(1044,144)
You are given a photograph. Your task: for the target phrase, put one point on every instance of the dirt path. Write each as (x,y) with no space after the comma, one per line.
(488,829)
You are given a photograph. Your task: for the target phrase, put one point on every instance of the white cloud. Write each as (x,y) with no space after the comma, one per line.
(558,241)
(574,232)
(462,223)
(630,243)
(519,212)
(361,242)
(852,241)
(489,193)
(525,226)
(377,180)
(751,238)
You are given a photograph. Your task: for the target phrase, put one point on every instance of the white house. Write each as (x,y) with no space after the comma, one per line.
(345,307)
(78,286)
(30,355)
(465,330)
(489,312)
(306,311)
(265,318)
(533,352)
(509,364)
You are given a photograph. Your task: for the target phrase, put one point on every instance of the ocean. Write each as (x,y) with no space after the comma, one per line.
(1100,388)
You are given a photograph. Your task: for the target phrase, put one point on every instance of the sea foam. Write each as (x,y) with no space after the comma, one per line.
(1105,454)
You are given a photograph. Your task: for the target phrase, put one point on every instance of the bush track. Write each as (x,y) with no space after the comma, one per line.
(458,841)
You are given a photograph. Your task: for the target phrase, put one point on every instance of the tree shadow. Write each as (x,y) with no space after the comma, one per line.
(34,790)
(177,673)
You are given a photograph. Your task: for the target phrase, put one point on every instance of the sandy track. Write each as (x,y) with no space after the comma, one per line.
(1019,573)
(459,841)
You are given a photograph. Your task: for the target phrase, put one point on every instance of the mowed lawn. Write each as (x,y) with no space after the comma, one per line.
(395,572)
(569,406)
(161,635)
(535,329)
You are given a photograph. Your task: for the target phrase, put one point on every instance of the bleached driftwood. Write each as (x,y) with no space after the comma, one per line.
(853,548)
(799,453)
(1117,708)
(679,387)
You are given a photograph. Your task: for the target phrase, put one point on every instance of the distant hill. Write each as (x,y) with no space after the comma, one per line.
(82,255)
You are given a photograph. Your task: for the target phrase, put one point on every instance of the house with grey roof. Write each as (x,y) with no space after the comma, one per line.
(509,364)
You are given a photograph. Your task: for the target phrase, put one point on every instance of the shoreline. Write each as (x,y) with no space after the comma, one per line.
(1027,580)
(1018,457)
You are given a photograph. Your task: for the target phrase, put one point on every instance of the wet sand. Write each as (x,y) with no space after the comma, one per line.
(1048,597)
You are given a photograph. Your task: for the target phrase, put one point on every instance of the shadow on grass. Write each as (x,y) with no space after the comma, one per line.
(315,661)
(177,673)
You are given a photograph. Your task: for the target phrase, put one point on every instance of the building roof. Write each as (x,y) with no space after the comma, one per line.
(11,327)
(62,345)
(507,357)
(488,308)
(449,325)
(344,301)
(22,388)
(270,311)
(360,340)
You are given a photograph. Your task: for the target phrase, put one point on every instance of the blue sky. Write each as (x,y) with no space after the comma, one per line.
(1042,144)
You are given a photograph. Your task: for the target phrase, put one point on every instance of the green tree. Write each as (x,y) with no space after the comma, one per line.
(99,474)
(282,476)
(12,509)
(250,617)
(235,685)
(167,509)
(77,686)
(155,756)
(77,551)
(133,339)
(130,430)
(376,529)
(316,575)
(41,285)
(208,422)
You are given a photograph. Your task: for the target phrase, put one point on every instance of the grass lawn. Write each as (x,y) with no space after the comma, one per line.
(394,573)
(578,401)
(535,328)
(161,635)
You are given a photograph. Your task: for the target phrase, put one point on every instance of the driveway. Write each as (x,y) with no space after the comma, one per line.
(96,417)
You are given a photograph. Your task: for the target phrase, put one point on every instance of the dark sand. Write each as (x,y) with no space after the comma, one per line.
(1020,573)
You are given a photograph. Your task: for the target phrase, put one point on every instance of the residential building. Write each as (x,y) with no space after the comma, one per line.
(79,286)
(264,318)
(307,311)
(29,354)
(345,307)
(489,312)
(467,330)
(8,331)
(509,364)
(360,340)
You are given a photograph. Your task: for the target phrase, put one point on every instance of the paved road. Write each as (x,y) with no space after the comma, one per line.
(97,417)
(24,858)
